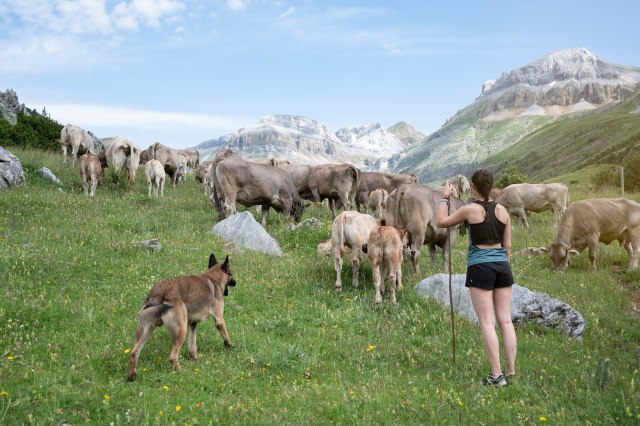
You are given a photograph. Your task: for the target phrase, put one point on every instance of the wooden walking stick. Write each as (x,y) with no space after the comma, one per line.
(453,328)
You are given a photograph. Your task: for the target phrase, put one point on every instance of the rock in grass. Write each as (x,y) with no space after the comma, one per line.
(526,305)
(11,172)
(242,230)
(48,174)
(152,244)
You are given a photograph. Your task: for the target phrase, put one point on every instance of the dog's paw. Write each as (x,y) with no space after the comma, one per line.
(228,345)
(132,375)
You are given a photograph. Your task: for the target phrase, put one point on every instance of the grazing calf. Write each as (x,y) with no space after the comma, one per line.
(90,172)
(385,254)
(350,229)
(155,177)
(377,199)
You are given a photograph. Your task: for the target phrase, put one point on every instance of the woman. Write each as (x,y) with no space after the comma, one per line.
(489,276)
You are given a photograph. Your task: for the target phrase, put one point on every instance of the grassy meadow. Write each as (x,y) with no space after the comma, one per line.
(72,283)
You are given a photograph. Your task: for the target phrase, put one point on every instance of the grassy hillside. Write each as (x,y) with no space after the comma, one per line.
(72,284)
(462,144)
(575,142)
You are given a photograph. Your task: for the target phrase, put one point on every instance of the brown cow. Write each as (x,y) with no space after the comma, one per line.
(461,183)
(520,198)
(333,182)
(385,254)
(90,172)
(169,158)
(298,172)
(377,200)
(587,222)
(252,184)
(193,156)
(269,161)
(201,175)
(370,181)
(415,208)
(350,229)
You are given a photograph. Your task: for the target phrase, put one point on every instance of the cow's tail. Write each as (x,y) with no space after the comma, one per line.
(216,198)
(400,221)
(355,172)
(341,234)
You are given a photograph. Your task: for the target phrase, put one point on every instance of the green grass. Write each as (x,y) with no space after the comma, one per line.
(574,142)
(72,284)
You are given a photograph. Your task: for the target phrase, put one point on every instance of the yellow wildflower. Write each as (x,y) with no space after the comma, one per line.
(178,408)
(352,392)
(107,397)
(126,351)
(165,388)
(542,419)
(10,358)
(370,348)
(4,393)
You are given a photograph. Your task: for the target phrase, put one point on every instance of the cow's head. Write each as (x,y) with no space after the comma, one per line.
(560,253)
(404,236)
(297,209)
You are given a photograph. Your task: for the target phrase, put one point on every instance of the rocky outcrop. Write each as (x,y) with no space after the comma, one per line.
(11,172)
(561,78)
(9,106)
(242,230)
(526,306)
(406,133)
(299,139)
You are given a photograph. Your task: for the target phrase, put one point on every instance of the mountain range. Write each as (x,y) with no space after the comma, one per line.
(306,141)
(549,91)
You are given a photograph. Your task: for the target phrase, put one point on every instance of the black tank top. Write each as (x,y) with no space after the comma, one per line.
(491,231)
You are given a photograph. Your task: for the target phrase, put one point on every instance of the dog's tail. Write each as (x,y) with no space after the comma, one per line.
(156,302)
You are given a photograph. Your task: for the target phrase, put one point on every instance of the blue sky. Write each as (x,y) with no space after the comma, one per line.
(183,71)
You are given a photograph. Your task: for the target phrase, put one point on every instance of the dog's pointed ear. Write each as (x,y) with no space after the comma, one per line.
(212,260)
(225,264)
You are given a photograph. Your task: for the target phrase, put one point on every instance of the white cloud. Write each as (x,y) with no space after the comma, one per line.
(102,115)
(88,16)
(238,5)
(289,12)
(351,12)
(144,127)
(149,12)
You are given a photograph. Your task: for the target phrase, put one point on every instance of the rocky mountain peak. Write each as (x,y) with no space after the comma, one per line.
(577,64)
(405,132)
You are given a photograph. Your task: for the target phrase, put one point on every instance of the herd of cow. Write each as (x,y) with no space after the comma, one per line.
(399,198)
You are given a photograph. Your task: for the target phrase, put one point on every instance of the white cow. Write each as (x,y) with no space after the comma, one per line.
(154,170)
(350,229)
(123,153)
(76,138)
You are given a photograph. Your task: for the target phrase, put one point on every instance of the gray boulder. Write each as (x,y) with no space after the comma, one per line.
(526,306)
(242,230)
(11,172)
(48,174)
(152,244)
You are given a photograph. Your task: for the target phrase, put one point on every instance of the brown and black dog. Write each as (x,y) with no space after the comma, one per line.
(182,301)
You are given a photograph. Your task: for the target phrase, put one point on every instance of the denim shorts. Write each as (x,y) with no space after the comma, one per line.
(489,275)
